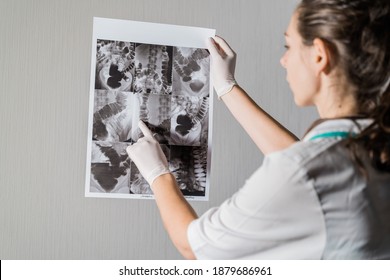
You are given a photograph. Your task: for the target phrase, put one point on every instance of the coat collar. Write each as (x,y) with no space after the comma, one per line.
(336,128)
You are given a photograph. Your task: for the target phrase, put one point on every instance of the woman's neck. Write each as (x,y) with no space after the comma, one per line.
(337,102)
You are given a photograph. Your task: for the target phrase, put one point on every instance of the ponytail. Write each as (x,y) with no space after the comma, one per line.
(376,137)
(357,32)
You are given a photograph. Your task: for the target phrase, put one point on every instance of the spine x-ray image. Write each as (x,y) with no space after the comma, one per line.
(167,87)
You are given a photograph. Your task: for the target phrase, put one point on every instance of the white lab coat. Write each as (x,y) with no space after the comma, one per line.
(306,202)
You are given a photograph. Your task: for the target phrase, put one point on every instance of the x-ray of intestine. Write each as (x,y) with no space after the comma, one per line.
(189,166)
(112,118)
(114,65)
(189,121)
(110,168)
(191,71)
(153,69)
(155,112)
(136,76)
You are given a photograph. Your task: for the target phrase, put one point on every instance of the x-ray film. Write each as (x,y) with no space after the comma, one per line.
(159,74)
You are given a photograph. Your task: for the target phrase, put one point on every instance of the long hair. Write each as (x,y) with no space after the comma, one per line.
(358,37)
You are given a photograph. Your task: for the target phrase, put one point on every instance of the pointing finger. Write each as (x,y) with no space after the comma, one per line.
(145,130)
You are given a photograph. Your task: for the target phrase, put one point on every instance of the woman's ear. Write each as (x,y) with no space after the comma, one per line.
(321,57)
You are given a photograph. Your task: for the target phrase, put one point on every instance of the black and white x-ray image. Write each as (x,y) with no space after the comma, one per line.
(153,69)
(138,184)
(155,112)
(191,72)
(159,74)
(110,168)
(113,116)
(189,166)
(189,121)
(114,65)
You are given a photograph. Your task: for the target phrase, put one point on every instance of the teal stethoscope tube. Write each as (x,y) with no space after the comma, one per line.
(333,134)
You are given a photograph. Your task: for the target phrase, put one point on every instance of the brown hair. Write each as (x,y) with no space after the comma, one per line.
(357,34)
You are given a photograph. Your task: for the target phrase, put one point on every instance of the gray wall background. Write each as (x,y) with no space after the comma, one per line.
(44,76)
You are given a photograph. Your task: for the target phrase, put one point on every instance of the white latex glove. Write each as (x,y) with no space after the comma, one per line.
(147,155)
(223,64)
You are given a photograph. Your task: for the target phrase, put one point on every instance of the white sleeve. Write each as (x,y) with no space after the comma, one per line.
(275,215)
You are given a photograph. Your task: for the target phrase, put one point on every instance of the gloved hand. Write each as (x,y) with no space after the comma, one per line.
(223,64)
(147,155)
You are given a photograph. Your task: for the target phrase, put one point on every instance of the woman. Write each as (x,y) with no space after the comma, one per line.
(326,196)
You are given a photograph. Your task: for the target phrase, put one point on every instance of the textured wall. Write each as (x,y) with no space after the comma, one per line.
(44,76)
